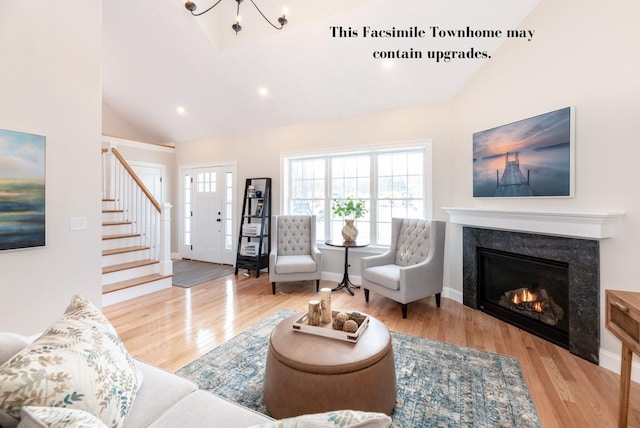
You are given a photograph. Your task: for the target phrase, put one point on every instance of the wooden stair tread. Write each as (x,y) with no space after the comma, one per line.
(108,200)
(129,265)
(124,235)
(110,288)
(123,250)
(112,211)
(115,223)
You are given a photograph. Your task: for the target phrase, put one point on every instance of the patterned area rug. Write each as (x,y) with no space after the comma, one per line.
(187,273)
(439,384)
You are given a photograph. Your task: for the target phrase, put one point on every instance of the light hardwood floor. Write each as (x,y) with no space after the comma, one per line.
(173,327)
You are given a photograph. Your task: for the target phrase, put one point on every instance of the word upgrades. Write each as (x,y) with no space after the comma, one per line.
(431,33)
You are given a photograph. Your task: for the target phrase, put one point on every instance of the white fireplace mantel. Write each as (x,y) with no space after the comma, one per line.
(586,225)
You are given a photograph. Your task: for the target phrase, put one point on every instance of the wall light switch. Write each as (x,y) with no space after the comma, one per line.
(78,223)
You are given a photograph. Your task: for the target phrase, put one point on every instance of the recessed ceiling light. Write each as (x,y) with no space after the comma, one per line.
(181,110)
(263,91)
(388,64)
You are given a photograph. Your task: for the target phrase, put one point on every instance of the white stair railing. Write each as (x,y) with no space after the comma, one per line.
(148,219)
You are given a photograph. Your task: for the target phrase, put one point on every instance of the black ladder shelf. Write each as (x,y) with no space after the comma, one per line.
(254,238)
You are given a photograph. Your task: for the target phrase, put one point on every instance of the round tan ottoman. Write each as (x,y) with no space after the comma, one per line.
(306,373)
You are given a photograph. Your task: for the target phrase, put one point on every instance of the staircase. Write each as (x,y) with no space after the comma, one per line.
(135,235)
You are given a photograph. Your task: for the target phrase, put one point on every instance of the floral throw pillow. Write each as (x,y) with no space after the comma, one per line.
(78,363)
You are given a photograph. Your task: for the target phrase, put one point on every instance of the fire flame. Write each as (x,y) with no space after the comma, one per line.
(527,296)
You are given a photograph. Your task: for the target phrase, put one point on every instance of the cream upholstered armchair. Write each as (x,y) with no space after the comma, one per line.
(413,266)
(294,254)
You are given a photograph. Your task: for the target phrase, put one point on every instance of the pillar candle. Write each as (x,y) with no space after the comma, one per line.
(314,312)
(325,303)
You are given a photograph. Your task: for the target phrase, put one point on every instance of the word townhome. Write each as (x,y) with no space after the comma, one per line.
(433,32)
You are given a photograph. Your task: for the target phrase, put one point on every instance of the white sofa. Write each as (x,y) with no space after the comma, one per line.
(81,359)
(167,400)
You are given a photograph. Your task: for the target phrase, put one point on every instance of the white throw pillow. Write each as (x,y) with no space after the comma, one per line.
(57,417)
(78,363)
(338,418)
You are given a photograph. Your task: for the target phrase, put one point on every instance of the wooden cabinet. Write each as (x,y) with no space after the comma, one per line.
(623,320)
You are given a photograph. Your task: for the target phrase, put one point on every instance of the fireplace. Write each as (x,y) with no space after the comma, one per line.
(546,285)
(528,292)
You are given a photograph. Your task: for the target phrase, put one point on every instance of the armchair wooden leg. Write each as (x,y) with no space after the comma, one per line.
(366,295)
(317,285)
(273,288)
(438,295)
(404,310)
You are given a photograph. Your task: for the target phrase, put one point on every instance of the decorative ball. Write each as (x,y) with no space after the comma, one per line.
(338,320)
(357,317)
(350,326)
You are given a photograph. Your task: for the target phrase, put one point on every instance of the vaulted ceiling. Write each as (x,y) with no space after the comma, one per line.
(157,57)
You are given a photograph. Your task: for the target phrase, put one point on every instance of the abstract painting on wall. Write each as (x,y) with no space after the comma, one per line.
(22,196)
(528,158)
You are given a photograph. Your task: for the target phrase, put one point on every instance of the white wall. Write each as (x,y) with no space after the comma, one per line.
(258,154)
(50,85)
(113,124)
(582,55)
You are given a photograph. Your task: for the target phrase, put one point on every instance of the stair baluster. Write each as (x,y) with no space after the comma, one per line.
(141,212)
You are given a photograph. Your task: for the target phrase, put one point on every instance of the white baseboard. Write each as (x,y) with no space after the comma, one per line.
(357,280)
(611,361)
(337,277)
(452,294)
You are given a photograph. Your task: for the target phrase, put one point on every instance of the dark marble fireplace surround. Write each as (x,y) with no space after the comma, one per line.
(583,258)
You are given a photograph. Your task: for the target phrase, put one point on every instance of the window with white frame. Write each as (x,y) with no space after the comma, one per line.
(228,227)
(391,183)
(186,213)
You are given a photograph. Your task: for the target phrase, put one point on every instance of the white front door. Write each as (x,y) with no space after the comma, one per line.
(207,234)
(202,197)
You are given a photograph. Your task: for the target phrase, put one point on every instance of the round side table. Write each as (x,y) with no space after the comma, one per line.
(345,278)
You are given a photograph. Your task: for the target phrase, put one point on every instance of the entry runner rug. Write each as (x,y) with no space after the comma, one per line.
(439,384)
(187,273)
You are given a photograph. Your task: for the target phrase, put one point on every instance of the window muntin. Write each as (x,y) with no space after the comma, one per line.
(307,184)
(206,182)
(390,182)
(400,189)
(351,176)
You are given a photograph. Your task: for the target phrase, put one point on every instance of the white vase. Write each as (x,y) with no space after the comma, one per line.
(349,231)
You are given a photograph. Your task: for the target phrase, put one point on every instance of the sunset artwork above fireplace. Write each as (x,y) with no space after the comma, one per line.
(528,158)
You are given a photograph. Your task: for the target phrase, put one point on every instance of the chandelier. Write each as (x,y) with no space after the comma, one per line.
(191,7)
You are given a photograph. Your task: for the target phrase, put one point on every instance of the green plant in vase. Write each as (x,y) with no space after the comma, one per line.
(349,210)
